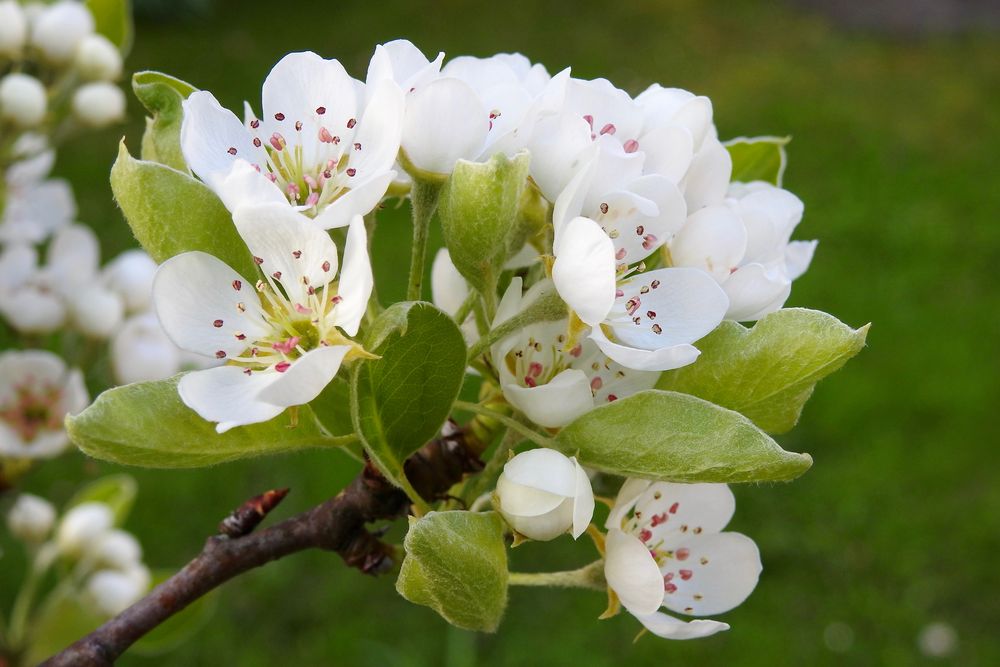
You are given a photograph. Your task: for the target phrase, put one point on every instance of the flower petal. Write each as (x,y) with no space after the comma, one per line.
(669,627)
(663,359)
(305,378)
(543,469)
(710,573)
(632,573)
(754,291)
(708,176)
(194,291)
(208,132)
(555,403)
(628,495)
(557,147)
(713,239)
(798,256)
(685,508)
(228,396)
(584,270)
(518,500)
(445,121)
(356,279)
(359,200)
(583,501)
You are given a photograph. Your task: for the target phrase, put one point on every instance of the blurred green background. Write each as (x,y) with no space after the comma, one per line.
(894,153)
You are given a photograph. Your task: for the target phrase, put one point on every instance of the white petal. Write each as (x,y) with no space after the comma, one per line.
(356,279)
(685,508)
(569,203)
(584,270)
(583,501)
(669,627)
(712,573)
(359,200)
(192,291)
(379,131)
(555,403)
(754,291)
(445,121)
(628,495)
(518,500)
(73,257)
(18,262)
(546,526)
(243,185)
(402,62)
(208,132)
(669,151)
(713,239)
(708,176)
(632,573)
(305,378)
(663,359)
(798,256)
(448,288)
(228,396)
(291,246)
(557,146)
(543,469)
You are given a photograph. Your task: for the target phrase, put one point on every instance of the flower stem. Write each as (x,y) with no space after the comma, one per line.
(509,422)
(423,202)
(589,576)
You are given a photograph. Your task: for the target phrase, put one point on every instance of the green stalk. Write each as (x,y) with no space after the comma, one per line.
(589,576)
(423,202)
(509,422)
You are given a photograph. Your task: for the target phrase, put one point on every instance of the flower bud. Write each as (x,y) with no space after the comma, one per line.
(82,527)
(98,104)
(543,494)
(13,29)
(117,549)
(97,311)
(59,29)
(98,59)
(31,518)
(32,310)
(130,274)
(22,100)
(111,592)
(141,351)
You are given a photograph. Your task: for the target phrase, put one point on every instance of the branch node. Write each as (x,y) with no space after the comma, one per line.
(248,516)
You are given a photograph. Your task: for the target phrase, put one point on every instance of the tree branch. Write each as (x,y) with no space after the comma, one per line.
(336,525)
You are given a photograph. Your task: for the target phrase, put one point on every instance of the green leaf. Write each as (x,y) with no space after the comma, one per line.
(758,158)
(768,372)
(146,424)
(479,211)
(116,491)
(673,437)
(180,627)
(456,564)
(401,400)
(170,213)
(162,95)
(113,19)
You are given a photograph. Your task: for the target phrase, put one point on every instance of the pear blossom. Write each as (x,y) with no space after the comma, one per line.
(37,391)
(98,104)
(449,290)
(130,275)
(325,145)
(82,527)
(282,339)
(665,548)
(35,205)
(58,29)
(551,379)
(141,351)
(111,592)
(646,320)
(22,100)
(116,549)
(543,494)
(31,518)
(13,29)
(98,59)
(744,245)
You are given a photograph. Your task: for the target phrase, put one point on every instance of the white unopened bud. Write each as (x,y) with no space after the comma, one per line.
(82,527)
(22,100)
(111,592)
(117,549)
(59,29)
(98,59)
(31,518)
(32,310)
(130,274)
(13,29)
(97,311)
(141,351)
(99,104)
(543,494)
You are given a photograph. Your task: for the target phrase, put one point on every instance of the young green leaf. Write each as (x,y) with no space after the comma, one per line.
(113,19)
(673,437)
(170,213)
(768,372)
(478,211)
(146,424)
(162,96)
(758,158)
(116,491)
(401,400)
(456,564)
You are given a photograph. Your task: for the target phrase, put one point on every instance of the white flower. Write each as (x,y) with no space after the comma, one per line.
(82,527)
(130,275)
(97,311)
(676,125)
(665,548)
(543,494)
(31,518)
(282,339)
(548,378)
(36,393)
(22,99)
(116,549)
(35,205)
(318,146)
(141,351)
(98,59)
(744,245)
(59,29)
(111,592)
(646,320)
(449,291)
(98,104)
(13,29)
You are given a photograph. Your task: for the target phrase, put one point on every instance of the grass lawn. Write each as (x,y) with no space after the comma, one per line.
(894,154)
